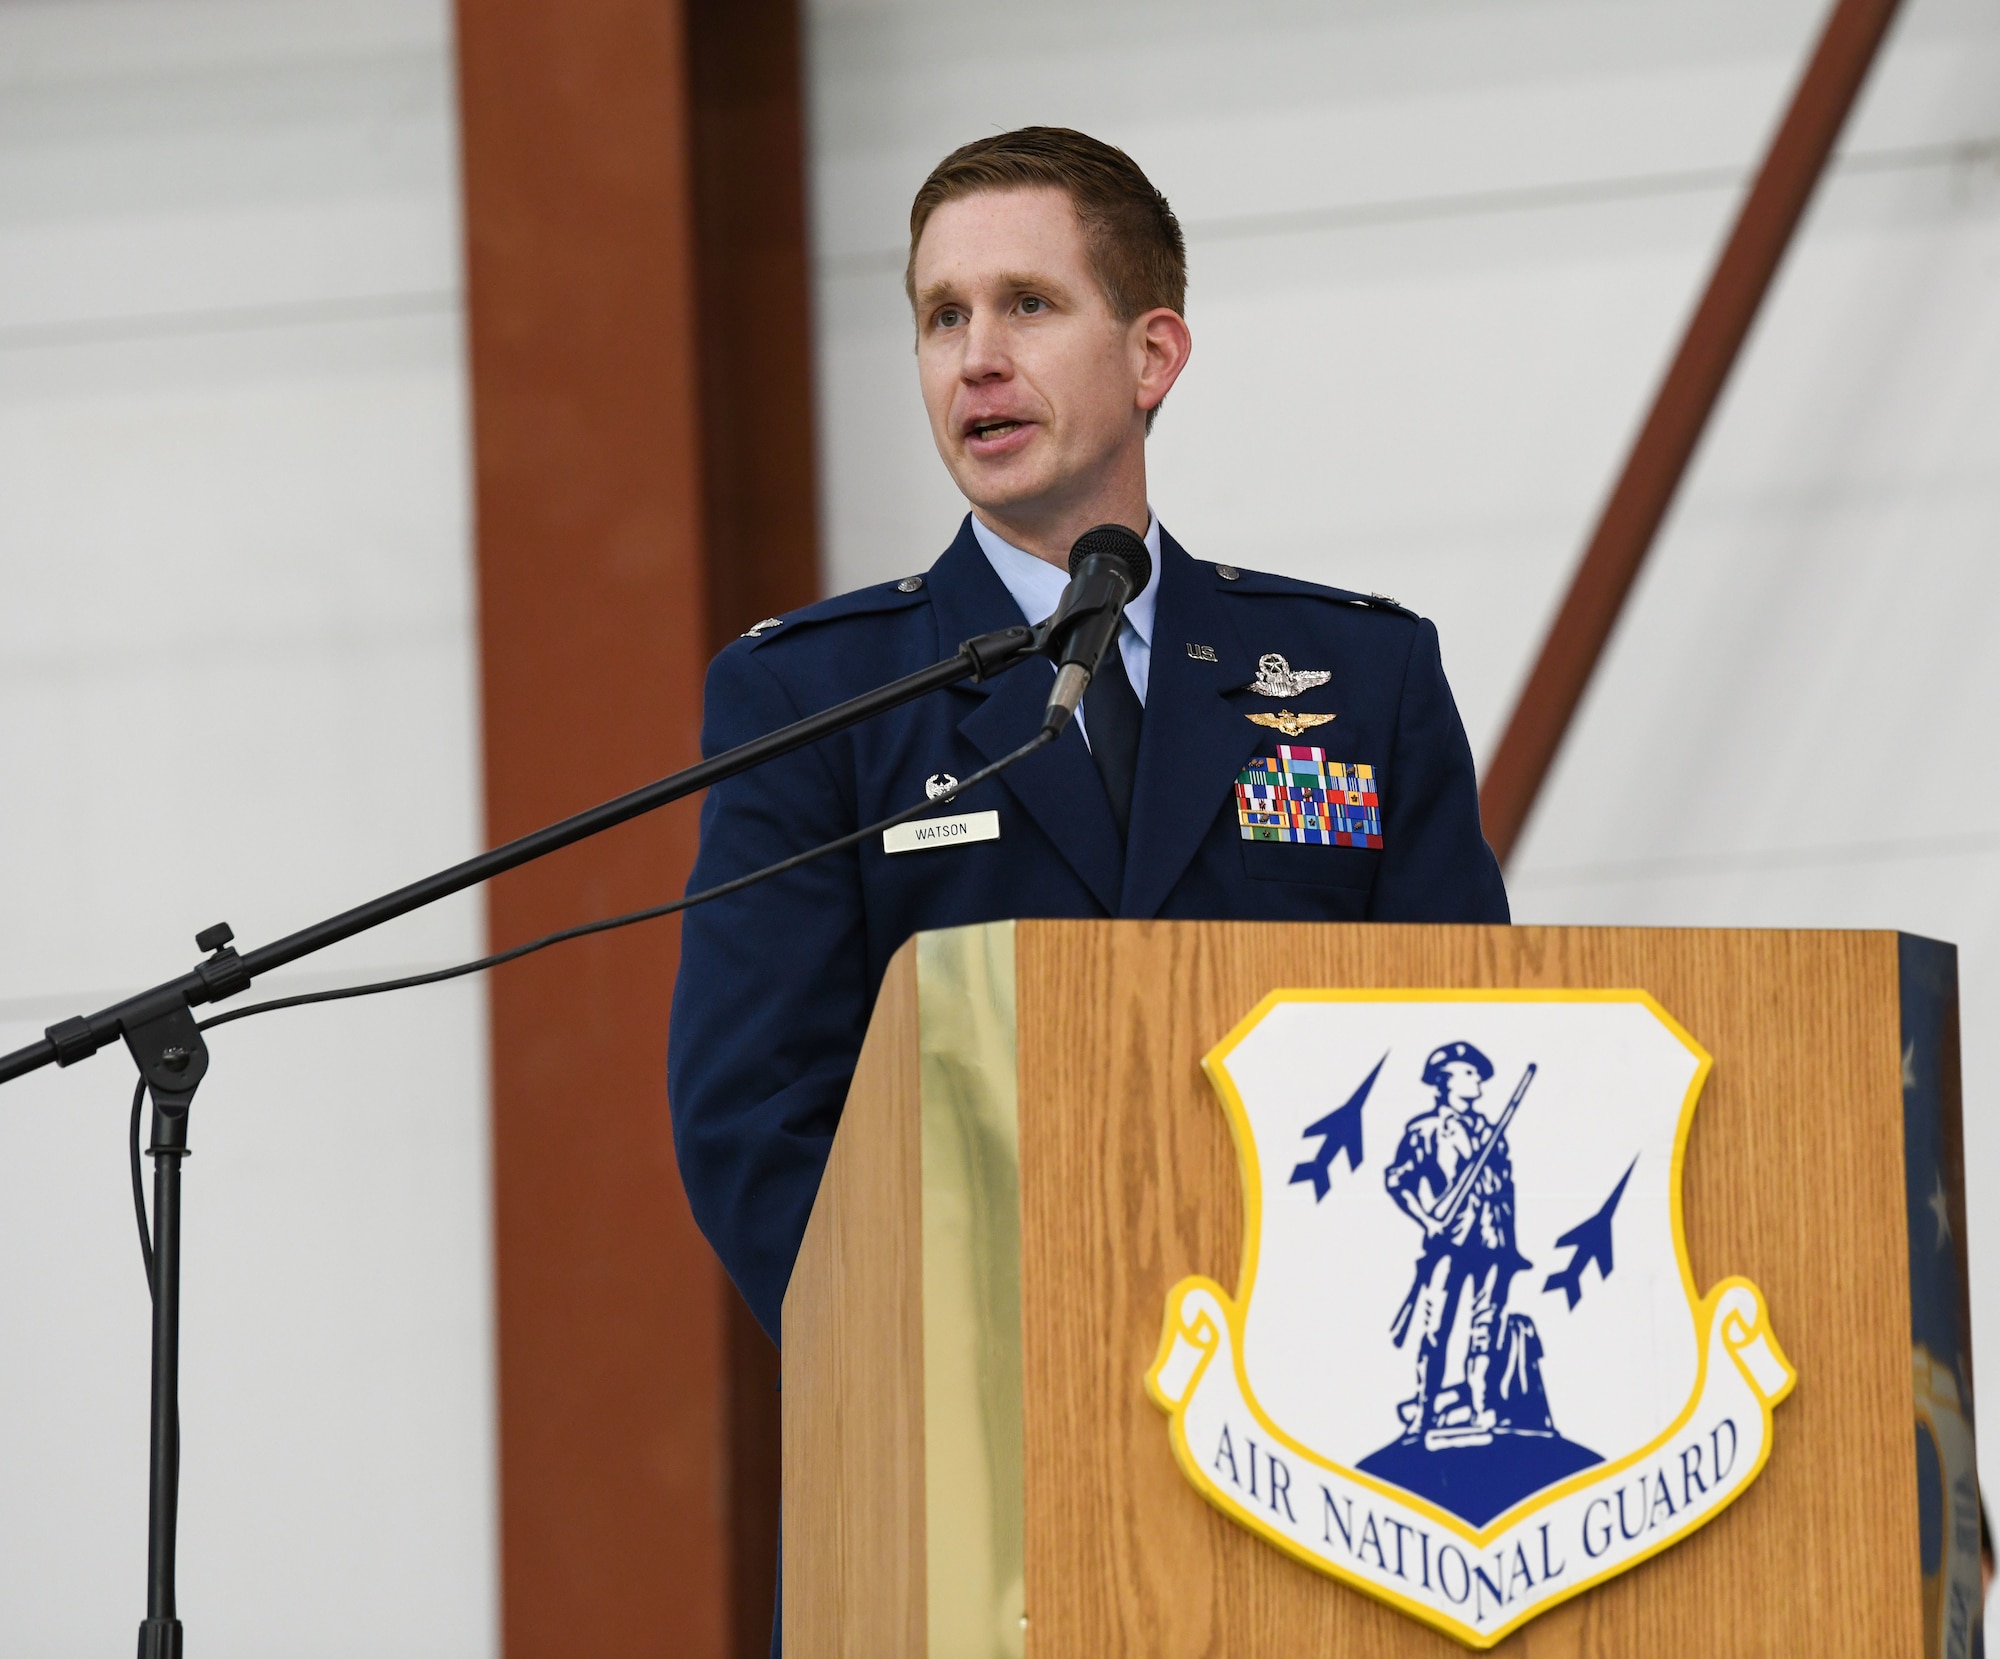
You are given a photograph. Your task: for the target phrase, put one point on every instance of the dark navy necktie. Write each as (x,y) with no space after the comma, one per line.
(1111,715)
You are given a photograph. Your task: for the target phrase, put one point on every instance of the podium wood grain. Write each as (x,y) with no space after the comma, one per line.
(1794,1178)
(853,1501)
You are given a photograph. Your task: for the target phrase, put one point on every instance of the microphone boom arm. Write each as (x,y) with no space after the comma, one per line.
(224,972)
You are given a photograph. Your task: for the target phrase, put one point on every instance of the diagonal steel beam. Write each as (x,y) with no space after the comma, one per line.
(1631,519)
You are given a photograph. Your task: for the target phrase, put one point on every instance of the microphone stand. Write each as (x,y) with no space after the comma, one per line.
(158,1028)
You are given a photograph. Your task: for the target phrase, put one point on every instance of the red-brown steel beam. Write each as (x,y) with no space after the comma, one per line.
(593,617)
(640,346)
(1687,396)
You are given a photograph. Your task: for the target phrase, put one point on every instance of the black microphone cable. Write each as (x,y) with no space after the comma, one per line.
(581,931)
(631,918)
(139,1184)
(1047,734)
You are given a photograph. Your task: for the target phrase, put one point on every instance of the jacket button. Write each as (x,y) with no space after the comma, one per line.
(909,584)
(1228,573)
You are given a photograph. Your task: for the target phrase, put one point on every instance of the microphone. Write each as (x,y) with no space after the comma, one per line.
(1108,568)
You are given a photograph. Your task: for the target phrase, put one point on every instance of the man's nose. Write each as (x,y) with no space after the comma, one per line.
(985,347)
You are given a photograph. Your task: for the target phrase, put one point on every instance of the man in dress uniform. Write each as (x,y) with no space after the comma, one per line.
(1257,747)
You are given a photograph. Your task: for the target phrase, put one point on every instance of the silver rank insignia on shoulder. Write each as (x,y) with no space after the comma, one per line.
(1277,678)
(757,628)
(1289,723)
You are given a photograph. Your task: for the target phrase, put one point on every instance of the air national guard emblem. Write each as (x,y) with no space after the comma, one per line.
(1467,1369)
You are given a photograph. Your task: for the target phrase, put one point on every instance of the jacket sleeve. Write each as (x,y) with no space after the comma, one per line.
(1436,866)
(771,1002)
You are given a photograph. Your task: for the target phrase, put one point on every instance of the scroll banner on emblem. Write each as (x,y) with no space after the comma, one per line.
(1477,1587)
(1466,1370)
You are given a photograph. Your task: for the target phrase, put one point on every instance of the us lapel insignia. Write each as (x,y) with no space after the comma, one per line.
(1432,1350)
(1277,678)
(1289,723)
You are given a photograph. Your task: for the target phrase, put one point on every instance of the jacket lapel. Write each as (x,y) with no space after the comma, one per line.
(1058,788)
(1193,740)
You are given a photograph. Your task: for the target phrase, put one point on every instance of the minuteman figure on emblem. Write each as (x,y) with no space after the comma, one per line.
(1454,1175)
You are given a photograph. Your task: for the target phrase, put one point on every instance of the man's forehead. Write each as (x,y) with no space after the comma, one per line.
(998,238)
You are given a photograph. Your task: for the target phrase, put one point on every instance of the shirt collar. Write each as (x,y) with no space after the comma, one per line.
(1037,585)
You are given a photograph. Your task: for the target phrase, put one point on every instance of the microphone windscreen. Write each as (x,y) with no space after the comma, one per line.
(1117,542)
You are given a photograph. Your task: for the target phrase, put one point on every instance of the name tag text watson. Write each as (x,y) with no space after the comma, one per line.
(942,832)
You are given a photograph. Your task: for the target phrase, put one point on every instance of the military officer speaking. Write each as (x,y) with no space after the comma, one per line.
(1257,747)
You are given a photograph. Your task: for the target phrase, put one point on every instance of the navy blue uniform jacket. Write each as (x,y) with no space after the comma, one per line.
(776,983)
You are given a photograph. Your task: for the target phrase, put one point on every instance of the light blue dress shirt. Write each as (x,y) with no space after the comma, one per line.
(1037,586)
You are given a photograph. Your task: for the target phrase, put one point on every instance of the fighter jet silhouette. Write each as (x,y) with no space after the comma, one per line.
(1591,1240)
(1342,1129)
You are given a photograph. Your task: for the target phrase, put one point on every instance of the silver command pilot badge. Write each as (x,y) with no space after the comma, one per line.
(1467,1368)
(1277,678)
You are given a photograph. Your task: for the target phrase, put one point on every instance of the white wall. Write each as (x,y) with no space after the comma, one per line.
(237,681)
(1441,250)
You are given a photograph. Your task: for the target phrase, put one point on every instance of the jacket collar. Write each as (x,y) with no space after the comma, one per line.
(1058,788)
(969,598)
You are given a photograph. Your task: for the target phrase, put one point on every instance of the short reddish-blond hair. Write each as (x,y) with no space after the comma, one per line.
(1136,248)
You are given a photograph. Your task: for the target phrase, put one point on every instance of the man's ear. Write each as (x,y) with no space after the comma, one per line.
(1161,340)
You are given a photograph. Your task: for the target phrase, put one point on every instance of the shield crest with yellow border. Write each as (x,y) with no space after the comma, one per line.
(1467,1369)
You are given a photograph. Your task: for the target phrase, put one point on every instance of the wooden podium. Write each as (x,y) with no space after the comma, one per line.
(1032,1158)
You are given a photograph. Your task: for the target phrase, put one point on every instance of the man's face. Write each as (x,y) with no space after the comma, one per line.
(1035,390)
(1462,1085)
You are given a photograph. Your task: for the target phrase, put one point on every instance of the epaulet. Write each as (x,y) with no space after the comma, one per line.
(1235,579)
(882,597)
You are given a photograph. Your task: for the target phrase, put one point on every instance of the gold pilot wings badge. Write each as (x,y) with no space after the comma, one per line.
(1289,723)
(1466,1369)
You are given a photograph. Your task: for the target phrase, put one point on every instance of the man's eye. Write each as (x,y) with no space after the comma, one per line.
(950,317)
(1031,305)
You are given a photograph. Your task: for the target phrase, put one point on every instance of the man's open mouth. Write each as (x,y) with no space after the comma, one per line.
(997,428)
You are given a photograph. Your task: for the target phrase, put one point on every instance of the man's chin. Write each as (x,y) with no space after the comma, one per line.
(1004,489)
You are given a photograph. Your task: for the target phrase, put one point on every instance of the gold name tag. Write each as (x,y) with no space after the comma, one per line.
(942,832)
